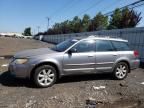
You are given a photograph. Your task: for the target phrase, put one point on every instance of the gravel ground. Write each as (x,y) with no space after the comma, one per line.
(86,91)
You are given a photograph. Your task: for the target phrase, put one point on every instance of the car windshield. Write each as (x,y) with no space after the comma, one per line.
(64,45)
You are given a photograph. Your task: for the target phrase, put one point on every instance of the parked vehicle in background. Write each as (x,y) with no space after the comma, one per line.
(75,56)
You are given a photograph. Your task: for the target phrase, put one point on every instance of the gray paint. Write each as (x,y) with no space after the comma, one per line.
(135,36)
(75,63)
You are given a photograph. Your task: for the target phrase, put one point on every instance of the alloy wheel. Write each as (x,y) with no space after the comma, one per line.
(45,77)
(121,71)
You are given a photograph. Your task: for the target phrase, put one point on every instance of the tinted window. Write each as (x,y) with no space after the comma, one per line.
(103,45)
(64,45)
(85,46)
(121,46)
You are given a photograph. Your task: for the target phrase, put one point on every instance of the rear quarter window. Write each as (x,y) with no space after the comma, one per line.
(121,46)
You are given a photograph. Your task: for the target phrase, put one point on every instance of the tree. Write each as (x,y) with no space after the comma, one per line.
(56,29)
(27,32)
(85,22)
(115,19)
(124,18)
(66,27)
(121,18)
(77,24)
(99,22)
(130,18)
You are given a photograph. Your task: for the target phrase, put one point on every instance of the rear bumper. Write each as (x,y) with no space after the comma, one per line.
(135,64)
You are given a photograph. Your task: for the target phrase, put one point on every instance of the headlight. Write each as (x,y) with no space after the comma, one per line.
(20,61)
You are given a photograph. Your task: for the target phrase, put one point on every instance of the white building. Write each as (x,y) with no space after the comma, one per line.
(14,34)
(11,34)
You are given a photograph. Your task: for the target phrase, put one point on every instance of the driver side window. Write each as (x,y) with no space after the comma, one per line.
(85,46)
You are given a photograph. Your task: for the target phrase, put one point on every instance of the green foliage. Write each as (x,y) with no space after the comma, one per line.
(130,18)
(78,25)
(85,23)
(115,19)
(99,22)
(27,32)
(125,18)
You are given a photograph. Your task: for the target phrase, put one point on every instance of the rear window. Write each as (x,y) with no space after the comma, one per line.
(121,46)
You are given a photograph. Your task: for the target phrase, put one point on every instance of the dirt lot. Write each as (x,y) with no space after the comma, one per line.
(87,91)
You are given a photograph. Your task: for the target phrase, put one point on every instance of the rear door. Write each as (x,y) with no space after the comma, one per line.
(105,55)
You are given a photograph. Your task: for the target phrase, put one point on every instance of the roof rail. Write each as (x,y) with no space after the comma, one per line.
(93,36)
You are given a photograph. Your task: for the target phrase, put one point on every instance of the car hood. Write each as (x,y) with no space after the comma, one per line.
(33,52)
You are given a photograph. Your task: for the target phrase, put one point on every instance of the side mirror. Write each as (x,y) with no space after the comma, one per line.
(72,51)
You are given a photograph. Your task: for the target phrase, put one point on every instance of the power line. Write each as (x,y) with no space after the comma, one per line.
(58,10)
(92,6)
(63,7)
(130,6)
(71,7)
(137,6)
(110,5)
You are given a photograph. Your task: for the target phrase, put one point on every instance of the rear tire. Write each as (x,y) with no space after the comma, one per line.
(45,76)
(121,71)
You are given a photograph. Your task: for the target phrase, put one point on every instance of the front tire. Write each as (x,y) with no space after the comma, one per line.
(45,76)
(121,71)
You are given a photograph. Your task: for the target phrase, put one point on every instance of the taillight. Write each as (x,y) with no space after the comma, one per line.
(136,53)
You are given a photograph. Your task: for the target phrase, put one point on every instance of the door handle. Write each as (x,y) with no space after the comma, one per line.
(115,54)
(90,55)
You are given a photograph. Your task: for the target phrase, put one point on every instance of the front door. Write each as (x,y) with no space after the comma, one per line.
(81,60)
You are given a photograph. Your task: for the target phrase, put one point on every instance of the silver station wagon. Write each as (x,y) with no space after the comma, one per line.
(75,56)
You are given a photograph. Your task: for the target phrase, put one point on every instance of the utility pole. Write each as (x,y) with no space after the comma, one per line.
(48,19)
(38,27)
(34,32)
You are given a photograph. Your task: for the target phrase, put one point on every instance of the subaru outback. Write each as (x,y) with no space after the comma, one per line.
(75,56)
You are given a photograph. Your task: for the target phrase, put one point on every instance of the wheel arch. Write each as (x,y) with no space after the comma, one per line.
(125,61)
(45,63)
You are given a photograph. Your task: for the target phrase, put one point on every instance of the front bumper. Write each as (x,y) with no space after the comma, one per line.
(20,70)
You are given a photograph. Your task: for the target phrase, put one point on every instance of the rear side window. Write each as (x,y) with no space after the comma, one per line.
(103,45)
(121,46)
